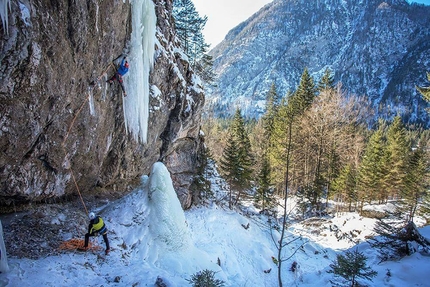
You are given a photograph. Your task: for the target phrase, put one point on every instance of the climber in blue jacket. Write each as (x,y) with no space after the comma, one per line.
(122,70)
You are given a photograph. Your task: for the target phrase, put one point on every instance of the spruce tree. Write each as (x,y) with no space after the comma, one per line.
(327,81)
(352,266)
(416,184)
(371,168)
(263,196)
(305,93)
(201,182)
(279,142)
(345,185)
(189,26)
(272,103)
(237,160)
(396,158)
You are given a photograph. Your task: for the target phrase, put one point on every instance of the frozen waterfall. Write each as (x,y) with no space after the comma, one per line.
(168,223)
(141,58)
(4,5)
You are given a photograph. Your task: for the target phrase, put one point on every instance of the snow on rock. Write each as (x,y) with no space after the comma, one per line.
(25,14)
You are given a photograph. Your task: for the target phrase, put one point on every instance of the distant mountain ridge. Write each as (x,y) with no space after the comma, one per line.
(376,48)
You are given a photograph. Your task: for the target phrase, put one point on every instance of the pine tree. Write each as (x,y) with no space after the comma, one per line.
(264,187)
(201,182)
(306,92)
(351,266)
(230,165)
(189,26)
(345,185)
(237,159)
(396,158)
(272,104)
(327,81)
(205,278)
(371,168)
(279,142)
(416,184)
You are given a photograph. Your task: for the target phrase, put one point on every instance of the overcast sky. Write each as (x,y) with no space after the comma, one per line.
(224,15)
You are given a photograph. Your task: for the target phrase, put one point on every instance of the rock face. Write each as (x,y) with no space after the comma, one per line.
(51,143)
(377,48)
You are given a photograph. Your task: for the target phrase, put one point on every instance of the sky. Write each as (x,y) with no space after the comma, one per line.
(224,15)
(151,237)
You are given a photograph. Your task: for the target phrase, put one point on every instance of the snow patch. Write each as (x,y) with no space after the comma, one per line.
(25,14)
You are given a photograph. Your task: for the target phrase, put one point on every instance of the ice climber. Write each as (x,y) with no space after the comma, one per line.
(122,70)
(95,228)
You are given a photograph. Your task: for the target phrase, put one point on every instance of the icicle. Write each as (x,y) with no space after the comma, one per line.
(97,17)
(141,59)
(4,5)
(91,101)
(4,267)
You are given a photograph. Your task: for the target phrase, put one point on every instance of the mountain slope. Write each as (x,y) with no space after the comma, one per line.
(375,48)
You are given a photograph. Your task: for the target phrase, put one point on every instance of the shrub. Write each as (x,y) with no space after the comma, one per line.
(205,278)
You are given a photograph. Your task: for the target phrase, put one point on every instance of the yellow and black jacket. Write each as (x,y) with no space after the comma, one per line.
(97,226)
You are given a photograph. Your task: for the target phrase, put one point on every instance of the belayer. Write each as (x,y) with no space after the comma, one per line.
(122,70)
(95,228)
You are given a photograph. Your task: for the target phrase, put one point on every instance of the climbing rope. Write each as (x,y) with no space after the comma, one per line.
(74,244)
(63,144)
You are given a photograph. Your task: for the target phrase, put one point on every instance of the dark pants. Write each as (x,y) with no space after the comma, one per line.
(87,238)
(118,77)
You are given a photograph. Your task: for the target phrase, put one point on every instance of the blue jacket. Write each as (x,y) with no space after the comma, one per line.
(122,70)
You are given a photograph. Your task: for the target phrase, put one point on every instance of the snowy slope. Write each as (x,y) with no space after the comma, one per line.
(151,237)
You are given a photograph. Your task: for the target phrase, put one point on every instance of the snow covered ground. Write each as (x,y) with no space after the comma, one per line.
(152,237)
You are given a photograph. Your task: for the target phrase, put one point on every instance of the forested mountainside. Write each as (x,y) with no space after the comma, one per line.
(63,129)
(380,49)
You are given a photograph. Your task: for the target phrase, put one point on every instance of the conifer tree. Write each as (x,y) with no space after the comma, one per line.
(371,168)
(345,185)
(237,159)
(352,266)
(279,142)
(272,103)
(305,93)
(264,187)
(397,150)
(201,181)
(327,81)
(416,184)
(189,26)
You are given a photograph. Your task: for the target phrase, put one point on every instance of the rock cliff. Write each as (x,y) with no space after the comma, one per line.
(59,133)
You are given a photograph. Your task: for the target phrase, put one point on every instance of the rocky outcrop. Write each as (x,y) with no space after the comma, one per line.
(51,143)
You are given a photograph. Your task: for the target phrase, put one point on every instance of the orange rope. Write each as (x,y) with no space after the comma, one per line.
(74,244)
(63,144)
